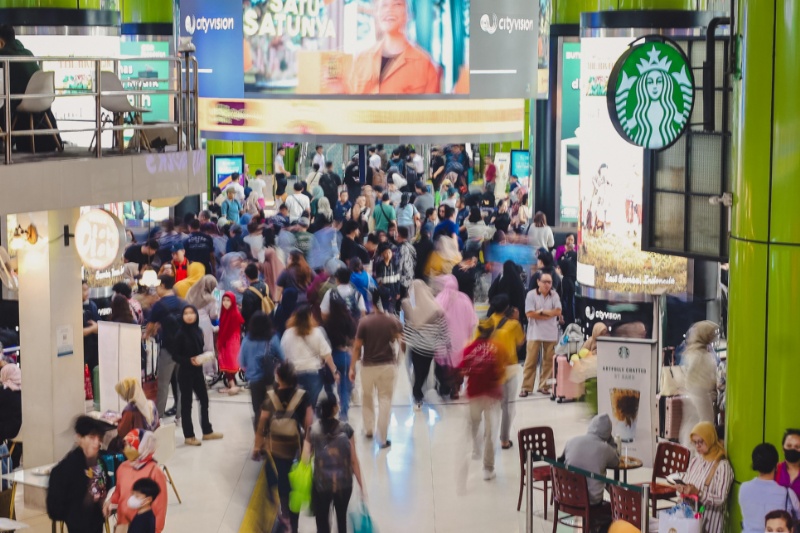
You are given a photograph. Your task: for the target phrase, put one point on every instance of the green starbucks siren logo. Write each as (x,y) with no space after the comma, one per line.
(651,93)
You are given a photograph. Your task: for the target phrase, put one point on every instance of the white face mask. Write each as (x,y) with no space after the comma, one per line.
(134,502)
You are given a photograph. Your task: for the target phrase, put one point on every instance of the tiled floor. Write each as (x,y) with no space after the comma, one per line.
(411,487)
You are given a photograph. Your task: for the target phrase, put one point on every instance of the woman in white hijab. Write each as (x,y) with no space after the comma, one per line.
(426,334)
(201,295)
(699,364)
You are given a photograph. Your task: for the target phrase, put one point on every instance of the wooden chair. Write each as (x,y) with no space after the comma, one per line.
(670,459)
(540,441)
(626,505)
(571,496)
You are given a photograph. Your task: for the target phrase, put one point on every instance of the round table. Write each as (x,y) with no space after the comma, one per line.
(626,463)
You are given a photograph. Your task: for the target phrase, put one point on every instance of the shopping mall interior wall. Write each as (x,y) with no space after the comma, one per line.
(146,11)
(569,11)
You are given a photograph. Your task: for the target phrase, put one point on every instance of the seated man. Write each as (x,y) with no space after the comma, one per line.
(594,452)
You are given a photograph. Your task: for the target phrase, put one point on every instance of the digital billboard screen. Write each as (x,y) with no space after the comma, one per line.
(224,166)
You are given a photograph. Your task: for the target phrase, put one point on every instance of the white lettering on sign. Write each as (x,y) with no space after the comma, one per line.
(290,17)
(98,239)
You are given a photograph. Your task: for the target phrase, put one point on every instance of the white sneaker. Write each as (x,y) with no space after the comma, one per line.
(489,475)
(418,406)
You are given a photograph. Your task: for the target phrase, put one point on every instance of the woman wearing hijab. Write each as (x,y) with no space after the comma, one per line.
(272,266)
(426,334)
(709,476)
(202,297)
(188,348)
(139,412)
(599,330)
(297,275)
(194,274)
(229,342)
(140,446)
(231,274)
(323,216)
(285,309)
(10,402)
(510,284)
(444,257)
(317,194)
(700,368)
(459,314)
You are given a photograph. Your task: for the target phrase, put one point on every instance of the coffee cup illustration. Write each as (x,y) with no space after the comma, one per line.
(625,409)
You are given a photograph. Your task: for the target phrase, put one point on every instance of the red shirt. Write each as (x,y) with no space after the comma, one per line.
(491,173)
(181,270)
(483,369)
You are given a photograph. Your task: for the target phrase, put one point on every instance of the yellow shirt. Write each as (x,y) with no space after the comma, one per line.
(508,338)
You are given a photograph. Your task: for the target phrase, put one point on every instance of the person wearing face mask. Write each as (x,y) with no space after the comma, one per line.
(140,445)
(145,492)
(78,484)
(788,473)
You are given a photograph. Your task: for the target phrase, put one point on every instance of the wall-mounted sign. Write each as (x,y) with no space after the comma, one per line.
(651,93)
(99,239)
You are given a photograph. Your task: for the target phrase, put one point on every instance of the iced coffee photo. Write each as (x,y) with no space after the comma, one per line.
(625,408)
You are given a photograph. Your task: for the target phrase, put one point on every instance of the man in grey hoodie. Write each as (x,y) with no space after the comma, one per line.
(594,452)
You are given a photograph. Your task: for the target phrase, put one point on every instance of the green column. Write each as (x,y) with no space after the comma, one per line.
(146,11)
(765,234)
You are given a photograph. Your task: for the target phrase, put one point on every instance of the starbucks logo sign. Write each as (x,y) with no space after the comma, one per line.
(651,93)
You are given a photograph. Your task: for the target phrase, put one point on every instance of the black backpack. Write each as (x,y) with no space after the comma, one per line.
(170,330)
(351,302)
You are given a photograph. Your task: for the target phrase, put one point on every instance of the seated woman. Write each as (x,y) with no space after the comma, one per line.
(140,413)
(709,476)
(140,446)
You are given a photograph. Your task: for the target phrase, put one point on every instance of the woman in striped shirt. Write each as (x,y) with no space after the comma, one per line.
(425,333)
(708,477)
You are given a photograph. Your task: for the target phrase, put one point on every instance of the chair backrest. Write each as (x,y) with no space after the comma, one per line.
(626,505)
(570,490)
(42,82)
(165,439)
(671,458)
(117,103)
(539,440)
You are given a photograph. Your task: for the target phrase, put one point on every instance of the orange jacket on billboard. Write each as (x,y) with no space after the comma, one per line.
(412,72)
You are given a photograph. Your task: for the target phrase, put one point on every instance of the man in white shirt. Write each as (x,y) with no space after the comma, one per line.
(419,165)
(319,157)
(542,307)
(348,293)
(297,203)
(374,158)
(281,176)
(236,184)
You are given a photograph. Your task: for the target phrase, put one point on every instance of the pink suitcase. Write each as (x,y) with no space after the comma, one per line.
(565,390)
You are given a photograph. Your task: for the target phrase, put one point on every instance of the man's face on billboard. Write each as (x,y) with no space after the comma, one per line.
(392,16)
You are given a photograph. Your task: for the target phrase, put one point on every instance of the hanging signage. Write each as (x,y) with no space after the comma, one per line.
(626,386)
(651,93)
(99,239)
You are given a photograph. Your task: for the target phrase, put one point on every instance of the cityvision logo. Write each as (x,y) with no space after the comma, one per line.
(490,24)
(204,24)
(591,314)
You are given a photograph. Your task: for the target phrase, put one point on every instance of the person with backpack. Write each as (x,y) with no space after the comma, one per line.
(342,309)
(285,417)
(165,321)
(331,444)
(256,297)
(259,356)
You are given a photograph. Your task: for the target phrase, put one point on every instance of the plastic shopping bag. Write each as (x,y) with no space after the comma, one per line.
(300,478)
(361,520)
(680,519)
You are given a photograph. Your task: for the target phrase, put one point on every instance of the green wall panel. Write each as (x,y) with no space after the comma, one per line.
(254,155)
(784,226)
(146,11)
(752,123)
(782,362)
(569,11)
(747,311)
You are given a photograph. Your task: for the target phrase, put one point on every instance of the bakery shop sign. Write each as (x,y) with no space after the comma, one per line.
(99,238)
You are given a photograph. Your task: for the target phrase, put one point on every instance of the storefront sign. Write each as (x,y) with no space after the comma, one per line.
(570,106)
(99,239)
(626,387)
(502,160)
(651,94)
(139,75)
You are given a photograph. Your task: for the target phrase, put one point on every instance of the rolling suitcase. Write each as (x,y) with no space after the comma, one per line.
(670,416)
(564,389)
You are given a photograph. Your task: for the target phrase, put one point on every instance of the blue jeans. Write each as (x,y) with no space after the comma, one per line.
(311,382)
(341,359)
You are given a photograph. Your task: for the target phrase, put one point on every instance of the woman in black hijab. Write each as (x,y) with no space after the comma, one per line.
(189,347)
(285,309)
(510,284)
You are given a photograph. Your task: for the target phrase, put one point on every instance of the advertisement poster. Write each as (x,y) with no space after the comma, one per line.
(64,340)
(623,319)
(502,160)
(626,388)
(570,111)
(136,75)
(224,167)
(611,186)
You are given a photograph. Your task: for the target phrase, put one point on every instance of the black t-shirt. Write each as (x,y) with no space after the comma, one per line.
(199,248)
(134,255)
(568,263)
(162,309)
(437,162)
(143,523)
(350,249)
(467,279)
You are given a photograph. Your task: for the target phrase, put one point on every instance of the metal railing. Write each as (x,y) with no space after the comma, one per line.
(531,457)
(182,89)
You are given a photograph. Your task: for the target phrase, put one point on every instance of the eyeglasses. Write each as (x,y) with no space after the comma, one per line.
(698,443)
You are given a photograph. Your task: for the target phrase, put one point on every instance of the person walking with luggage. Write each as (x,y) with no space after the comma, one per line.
(376,335)
(285,417)
(331,444)
(484,368)
(543,308)
(188,347)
